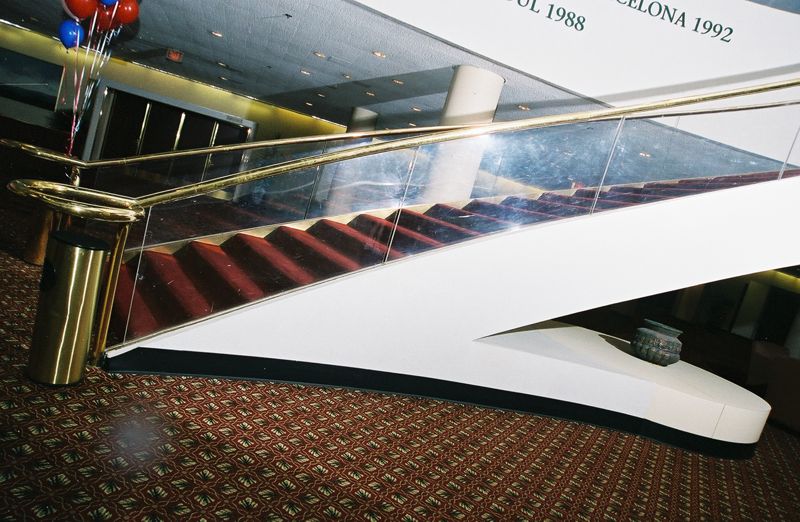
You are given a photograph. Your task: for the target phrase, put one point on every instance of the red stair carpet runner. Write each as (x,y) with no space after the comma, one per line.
(201,278)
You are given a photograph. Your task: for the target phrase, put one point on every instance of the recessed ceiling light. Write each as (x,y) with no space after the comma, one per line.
(223,78)
(320,95)
(412,124)
(379,54)
(346,76)
(523,107)
(309,104)
(416,109)
(319,54)
(398,82)
(216,34)
(303,71)
(369,93)
(222,64)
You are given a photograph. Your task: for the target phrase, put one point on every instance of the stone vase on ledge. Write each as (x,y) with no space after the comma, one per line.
(657,343)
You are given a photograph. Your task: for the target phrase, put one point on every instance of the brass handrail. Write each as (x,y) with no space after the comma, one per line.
(653,109)
(101,205)
(58,157)
(178,193)
(80,202)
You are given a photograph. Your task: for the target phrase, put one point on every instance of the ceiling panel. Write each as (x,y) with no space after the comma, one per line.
(266,46)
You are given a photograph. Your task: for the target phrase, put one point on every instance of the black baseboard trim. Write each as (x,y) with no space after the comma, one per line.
(172,362)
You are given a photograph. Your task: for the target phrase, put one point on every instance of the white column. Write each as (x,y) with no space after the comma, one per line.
(472,98)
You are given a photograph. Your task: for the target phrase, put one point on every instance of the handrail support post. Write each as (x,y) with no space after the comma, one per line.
(107,299)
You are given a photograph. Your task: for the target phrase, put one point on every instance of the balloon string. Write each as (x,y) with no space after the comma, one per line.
(97,41)
(78,106)
(89,44)
(102,52)
(74,104)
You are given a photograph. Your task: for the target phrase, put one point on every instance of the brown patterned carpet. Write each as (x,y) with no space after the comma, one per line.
(172,448)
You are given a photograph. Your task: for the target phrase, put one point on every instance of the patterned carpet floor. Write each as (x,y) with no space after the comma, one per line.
(174,448)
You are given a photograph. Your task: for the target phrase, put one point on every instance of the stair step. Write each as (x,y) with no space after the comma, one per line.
(601,204)
(466,219)
(202,278)
(429,226)
(311,253)
(626,197)
(221,279)
(535,205)
(141,320)
(364,249)
(502,212)
(266,265)
(687,188)
(405,240)
(169,291)
(626,189)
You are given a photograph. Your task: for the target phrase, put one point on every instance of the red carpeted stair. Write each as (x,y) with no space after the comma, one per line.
(202,278)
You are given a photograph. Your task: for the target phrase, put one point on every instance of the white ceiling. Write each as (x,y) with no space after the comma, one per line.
(266,44)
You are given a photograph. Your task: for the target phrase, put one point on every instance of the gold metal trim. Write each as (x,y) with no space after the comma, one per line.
(42,153)
(50,155)
(448,135)
(42,188)
(109,290)
(65,317)
(80,202)
(611,113)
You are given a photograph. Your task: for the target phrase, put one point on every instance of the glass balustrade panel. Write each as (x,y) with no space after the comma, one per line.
(211,253)
(125,292)
(663,158)
(463,189)
(149,177)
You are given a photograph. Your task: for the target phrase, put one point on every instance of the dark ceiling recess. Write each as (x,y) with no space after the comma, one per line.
(262,48)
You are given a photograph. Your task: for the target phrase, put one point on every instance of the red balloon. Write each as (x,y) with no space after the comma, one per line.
(79,9)
(105,20)
(127,11)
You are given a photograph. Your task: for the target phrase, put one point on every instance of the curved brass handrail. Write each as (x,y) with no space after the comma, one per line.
(57,157)
(220,183)
(109,207)
(85,203)
(440,136)
(51,155)
(42,153)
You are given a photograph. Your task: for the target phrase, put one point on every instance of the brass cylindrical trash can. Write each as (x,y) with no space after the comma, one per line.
(69,291)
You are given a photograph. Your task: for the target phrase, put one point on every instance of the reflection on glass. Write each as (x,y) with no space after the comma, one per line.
(664,158)
(256,241)
(460,190)
(220,250)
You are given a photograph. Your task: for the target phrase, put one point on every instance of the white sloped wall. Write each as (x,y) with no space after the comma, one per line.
(402,317)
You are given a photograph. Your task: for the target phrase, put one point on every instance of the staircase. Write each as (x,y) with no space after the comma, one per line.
(203,277)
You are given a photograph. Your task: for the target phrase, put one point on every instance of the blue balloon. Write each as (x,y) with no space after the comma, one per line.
(70,33)
(108,3)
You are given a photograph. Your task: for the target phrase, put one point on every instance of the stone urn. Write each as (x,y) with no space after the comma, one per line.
(657,343)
